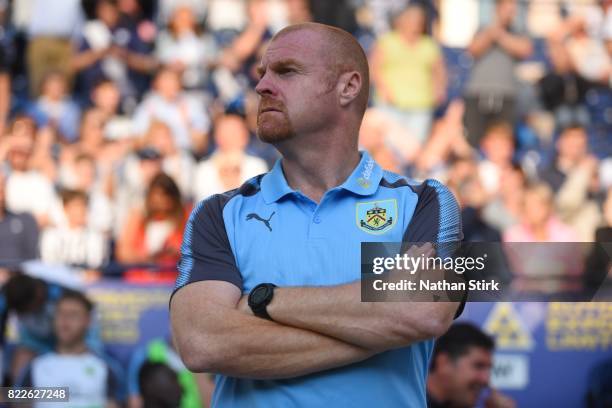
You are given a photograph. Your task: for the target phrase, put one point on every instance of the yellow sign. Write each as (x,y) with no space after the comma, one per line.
(505,324)
(579,326)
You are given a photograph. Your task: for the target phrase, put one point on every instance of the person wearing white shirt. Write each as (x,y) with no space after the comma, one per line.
(167,103)
(230,165)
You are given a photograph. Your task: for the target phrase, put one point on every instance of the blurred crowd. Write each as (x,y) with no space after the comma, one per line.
(116,116)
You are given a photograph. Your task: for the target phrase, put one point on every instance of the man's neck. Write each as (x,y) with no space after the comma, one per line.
(314,168)
(77,348)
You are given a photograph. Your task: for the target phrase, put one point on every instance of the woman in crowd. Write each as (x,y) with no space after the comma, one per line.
(153,234)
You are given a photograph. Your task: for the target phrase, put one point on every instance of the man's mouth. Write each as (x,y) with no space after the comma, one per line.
(264,110)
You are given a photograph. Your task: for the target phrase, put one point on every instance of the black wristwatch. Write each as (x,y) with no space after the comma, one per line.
(259,299)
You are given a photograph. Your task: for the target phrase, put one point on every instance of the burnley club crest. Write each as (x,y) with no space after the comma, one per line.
(377,217)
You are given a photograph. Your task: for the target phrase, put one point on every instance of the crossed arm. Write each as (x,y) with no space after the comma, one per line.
(314,329)
(516,45)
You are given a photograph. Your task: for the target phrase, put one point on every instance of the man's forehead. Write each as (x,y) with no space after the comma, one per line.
(300,46)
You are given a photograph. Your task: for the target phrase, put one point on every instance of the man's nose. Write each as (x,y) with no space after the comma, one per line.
(265,86)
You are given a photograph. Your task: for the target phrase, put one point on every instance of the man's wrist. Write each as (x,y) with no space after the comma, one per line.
(259,299)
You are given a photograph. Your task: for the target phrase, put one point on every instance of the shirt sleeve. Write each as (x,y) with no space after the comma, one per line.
(437,217)
(206,253)
(437,220)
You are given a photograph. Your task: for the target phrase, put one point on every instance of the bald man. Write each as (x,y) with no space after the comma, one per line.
(268,295)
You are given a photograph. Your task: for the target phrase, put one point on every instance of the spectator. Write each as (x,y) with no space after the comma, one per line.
(543,268)
(539,222)
(230,165)
(71,364)
(82,175)
(445,143)
(54,107)
(18,234)
(497,146)
(200,9)
(183,114)
(196,388)
(384,139)
(153,234)
(184,49)
(460,370)
(572,176)
(106,49)
(75,243)
(136,172)
(106,98)
(588,55)
(34,301)
(562,90)
(504,209)
(27,190)
(241,56)
(160,386)
(408,73)
(472,198)
(91,135)
(491,91)
(52,26)
(178,164)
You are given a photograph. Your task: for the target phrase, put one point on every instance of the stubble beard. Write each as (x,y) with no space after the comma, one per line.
(274,127)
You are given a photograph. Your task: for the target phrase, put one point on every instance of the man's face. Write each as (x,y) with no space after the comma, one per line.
(468,376)
(20,153)
(506,11)
(76,212)
(572,145)
(168,84)
(412,21)
(71,322)
(55,87)
(536,209)
(231,134)
(107,97)
(296,87)
(498,148)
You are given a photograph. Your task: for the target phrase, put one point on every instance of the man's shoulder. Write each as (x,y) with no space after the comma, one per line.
(217,202)
(423,189)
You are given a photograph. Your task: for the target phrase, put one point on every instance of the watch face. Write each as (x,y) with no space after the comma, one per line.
(259,295)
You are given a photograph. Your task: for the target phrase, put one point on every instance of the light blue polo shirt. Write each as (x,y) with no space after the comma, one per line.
(267,232)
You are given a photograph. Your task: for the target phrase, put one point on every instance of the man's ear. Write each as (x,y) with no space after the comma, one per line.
(349,86)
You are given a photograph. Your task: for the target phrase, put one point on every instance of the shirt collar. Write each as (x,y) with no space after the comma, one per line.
(274,186)
(364,180)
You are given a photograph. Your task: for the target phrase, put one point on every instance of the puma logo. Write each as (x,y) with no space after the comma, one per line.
(258,218)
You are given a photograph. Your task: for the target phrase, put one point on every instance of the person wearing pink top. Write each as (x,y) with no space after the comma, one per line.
(542,267)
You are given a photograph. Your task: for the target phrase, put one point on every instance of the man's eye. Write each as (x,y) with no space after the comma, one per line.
(286,71)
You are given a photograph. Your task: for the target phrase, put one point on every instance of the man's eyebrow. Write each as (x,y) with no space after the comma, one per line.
(278,65)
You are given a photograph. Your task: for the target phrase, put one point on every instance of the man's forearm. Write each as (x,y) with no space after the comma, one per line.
(517,46)
(378,326)
(236,344)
